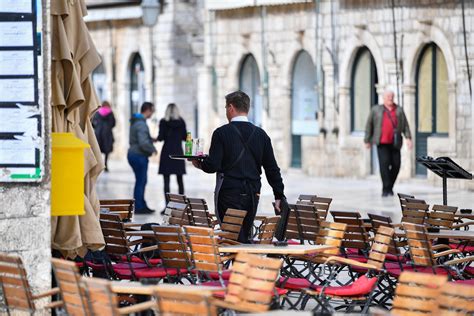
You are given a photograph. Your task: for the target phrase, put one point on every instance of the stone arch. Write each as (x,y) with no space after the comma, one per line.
(347,61)
(438,37)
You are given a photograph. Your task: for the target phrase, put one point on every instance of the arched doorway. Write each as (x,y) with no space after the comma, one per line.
(99,78)
(137,84)
(303,104)
(249,82)
(363,95)
(431,99)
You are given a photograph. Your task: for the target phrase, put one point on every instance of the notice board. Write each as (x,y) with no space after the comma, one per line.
(21,93)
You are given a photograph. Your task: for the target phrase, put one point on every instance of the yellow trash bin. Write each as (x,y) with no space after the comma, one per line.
(67,175)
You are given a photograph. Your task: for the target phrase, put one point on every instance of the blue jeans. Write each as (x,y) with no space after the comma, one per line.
(139,164)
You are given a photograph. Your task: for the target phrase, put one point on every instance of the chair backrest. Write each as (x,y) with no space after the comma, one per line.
(179,302)
(380,246)
(378,221)
(267,229)
(14,284)
(69,283)
(252,282)
(417,294)
(456,300)
(178,213)
(415,212)
(204,247)
(442,216)
(307,220)
(322,204)
(402,197)
(331,234)
(172,247)
(116,242)
(123,207)
(199,212)
(232,223)
(101,299)
(179,198)
(419,245)
(356,235)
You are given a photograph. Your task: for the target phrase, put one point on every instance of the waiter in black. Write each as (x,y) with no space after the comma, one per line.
(237,154)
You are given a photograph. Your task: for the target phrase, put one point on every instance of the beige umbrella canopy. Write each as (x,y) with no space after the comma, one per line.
(74,101)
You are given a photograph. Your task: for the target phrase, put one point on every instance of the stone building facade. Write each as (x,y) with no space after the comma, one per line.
(314,68)
(129,75)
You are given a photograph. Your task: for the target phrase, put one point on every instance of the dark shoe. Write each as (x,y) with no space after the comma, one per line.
(163,212)
(384,194)
(144,211)
(150,210)
(106,169)
(390,193)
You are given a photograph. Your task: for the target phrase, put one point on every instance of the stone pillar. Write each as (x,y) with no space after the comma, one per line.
(25,208)
(408,156)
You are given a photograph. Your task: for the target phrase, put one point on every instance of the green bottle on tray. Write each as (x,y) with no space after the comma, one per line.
(188,145)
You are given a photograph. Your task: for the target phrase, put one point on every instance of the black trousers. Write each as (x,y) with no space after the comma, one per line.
(389,164)
(241,201)
(166,178)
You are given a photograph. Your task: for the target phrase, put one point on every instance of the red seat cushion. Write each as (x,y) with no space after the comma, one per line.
(462,247)
(221,294)
(79,264)
(126,265)
(466,282)
(147,273)
(293,242)
(294,283)
(215,283)
(360,287)
(396,271)
(95,266)
(391,257)
(225,275)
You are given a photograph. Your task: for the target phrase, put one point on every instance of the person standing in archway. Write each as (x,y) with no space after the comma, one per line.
(172,132)
(385,126)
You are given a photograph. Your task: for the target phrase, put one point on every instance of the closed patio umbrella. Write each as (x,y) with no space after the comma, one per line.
(74,102)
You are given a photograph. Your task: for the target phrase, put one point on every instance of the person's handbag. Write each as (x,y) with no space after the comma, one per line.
(284,215)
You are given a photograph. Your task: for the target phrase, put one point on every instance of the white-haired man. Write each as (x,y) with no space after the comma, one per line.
(385,126)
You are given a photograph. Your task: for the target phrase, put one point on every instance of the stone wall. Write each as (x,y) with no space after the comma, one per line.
(25,208)
(345,27)
(177,39)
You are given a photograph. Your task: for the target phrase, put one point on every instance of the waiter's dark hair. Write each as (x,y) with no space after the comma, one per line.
(240,100)
(146,106)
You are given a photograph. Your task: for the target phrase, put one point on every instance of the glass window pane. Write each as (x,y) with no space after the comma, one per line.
(425,93)
(362,91)
(442,122)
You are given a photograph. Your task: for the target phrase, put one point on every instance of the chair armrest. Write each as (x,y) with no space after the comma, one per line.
(441,246)
(459,260)
(446,252)
(54,304)
(47,293)
(463,225)
(132,288)
(137,307)
(349,262)
(230,242)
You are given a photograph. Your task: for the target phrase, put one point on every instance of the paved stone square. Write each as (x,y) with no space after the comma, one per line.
(363,195)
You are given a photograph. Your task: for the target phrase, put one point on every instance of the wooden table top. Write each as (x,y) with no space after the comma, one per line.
(275,250)
(461,215)
(445,233)
(140,289)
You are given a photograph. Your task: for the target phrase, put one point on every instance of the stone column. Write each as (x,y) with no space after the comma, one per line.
(25,213)
(408,156)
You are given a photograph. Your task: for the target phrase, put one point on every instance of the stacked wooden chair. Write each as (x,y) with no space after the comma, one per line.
(231,226)
(267,230)
(16,290)
(456,300)
(176,302)
(307,221)
(177,209)
(356,237)
(199,213)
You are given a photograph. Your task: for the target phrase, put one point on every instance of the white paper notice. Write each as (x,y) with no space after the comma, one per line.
(16,62)
(14,120)
(17,152)
(15,6)
(17,90)
(16,34)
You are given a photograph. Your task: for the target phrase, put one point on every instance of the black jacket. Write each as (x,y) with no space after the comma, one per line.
(103,131)
(173,133)
(226,146)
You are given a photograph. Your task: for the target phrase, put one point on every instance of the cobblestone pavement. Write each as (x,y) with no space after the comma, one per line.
(363,195)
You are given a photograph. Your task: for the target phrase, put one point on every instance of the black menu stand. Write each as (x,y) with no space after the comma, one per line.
(446,169)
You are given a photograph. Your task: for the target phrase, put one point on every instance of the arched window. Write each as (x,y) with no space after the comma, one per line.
(249,82)
(99,78)
(137,84)
(431,99)
(363,92)
(303,104)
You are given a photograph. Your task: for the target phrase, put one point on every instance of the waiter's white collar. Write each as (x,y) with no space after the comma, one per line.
(241,118)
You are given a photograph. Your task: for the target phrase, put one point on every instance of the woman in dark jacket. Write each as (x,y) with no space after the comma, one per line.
(103,123)
(173,133)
